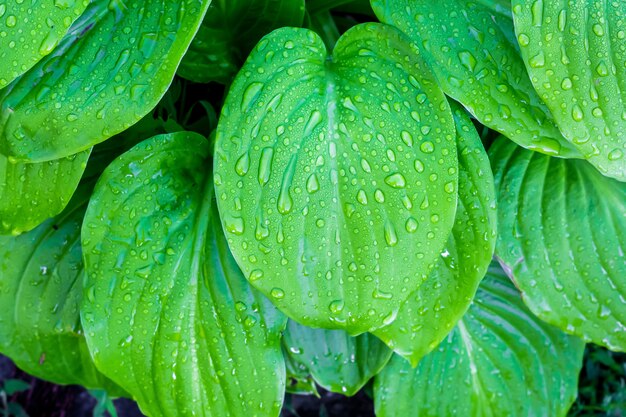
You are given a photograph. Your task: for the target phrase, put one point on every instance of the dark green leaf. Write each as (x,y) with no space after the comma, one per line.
(562,237)
(336,176)
(472,50)
(13,386)
(337,361)
(32,193)
(112,67)
(575,53)
(229,31)
(168,314)
(431,312)
(500,360)
(40,292)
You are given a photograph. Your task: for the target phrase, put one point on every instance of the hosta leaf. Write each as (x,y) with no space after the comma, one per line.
(336,175)
(111,68)
(32,193)
(500,360)
(562,237)
(41,288)
(472,49)
(299,381)
(575,53)
(168,315)
(31,30)
(431,312)
(228,33)
(337,361)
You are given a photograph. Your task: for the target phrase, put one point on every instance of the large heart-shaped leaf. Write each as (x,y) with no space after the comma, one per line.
(336,175)
(168,314)
(41,288)
(32,193)
(472,49)
(575,53)
(562,238)
(431,312)
(228,33)
(31,30)
(111,68)
(500,360)
(337,361)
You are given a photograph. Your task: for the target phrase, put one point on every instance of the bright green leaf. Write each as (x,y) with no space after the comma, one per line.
(562,236)
(32,193)
(168,314)
(40,292)
(576,56)
(336,176)
(431,312)
(228,33)
(111,69)
(500,360)
(337,361)
(31,30)
(472,50)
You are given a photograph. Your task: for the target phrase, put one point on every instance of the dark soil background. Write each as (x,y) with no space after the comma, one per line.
(602,392)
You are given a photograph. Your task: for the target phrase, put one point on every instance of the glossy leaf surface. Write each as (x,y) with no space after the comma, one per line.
(336,176)
(32,193)
(31,30)
(575,53)
(112,67)
(168,314)
(500,360)
(41,275)
(337,361)
(472,49)
(228,33)
(431,312)
(562,236)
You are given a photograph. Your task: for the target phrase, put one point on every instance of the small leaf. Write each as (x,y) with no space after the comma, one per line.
(433,310)
(336,176)
(168,314)
(562,240)
(471,48)
(32,193)
(228,33)
(111,68)
(574,54)
(337,361)
(298,379)
(31,30)
(500,360)
(13,386)
(40,292)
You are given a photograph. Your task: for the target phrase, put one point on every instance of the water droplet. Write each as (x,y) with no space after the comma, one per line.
(449,187)
(234,225)
(427,147)
(598,29)
(390,234)
(336,306)
(265,165)
(411,225)
(361,197)
(396,180)
(615,154)
(11,21)
(577,113)
(312,184)
(407,138)
(255,275)
(523,39)
(250,94)
(243,164)
(538,60)
(314,120)
(566,84)
(277,293)
(537,12)
(468,60)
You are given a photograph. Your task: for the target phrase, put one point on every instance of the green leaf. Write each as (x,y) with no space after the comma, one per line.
(471,48)
(32,193)
(336,176)
(299,381)
(575,55)
(228,33)
(168,314)
(433,310)
(337,361)
(13,386)
(562,237)
(31,30)
(40,292)
(500,360)
(112,68)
